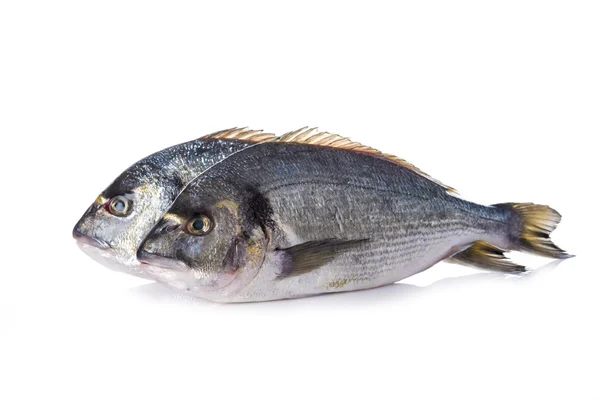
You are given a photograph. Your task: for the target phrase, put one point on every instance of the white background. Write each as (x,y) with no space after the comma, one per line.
(498,99)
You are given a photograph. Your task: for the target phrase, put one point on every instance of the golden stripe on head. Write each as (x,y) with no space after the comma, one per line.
(178,219)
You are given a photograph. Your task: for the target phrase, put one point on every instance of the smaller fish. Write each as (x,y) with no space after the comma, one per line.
(112,228)
(313,213)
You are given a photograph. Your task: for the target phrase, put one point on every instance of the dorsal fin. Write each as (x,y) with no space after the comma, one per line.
(245,134)
(312,136)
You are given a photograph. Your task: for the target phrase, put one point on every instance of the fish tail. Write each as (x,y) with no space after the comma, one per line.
(532,225)
(529,229)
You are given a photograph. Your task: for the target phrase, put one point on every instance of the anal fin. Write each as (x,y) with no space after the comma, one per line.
(483,255)
(308,256)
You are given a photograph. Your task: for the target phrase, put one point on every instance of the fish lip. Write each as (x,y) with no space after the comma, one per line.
(91,241)
(151,259)
(164,263)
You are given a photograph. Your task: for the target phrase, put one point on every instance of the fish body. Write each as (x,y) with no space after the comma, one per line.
(295,219)
(113,227)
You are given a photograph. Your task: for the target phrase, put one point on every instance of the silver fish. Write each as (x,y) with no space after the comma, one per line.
(314,213)
(113,227)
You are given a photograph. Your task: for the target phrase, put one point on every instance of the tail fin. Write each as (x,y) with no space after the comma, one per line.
(533,225)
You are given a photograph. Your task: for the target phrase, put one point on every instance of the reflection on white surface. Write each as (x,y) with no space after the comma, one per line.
(397,292)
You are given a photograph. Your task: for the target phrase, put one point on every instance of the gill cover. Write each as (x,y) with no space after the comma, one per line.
(215,265)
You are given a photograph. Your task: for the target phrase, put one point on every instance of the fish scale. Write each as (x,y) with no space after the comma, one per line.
(299,216)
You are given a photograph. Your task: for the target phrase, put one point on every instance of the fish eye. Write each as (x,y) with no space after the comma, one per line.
(119,206)
(199,226)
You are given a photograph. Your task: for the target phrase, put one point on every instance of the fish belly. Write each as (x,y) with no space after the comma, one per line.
(402,241)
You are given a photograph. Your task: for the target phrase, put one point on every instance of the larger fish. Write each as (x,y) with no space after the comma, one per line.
(315,213)
(113,227)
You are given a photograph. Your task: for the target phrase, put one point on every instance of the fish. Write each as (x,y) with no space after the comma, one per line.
(313,213)
(113,227)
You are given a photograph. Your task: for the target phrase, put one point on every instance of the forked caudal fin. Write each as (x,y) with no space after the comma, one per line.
(532,226)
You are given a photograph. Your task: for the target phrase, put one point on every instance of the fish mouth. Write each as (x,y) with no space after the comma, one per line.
(110,259)
(151,259)
(179,275)
(89,240)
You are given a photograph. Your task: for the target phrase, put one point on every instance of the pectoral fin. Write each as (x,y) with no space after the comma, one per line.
(308,256)
(484,255)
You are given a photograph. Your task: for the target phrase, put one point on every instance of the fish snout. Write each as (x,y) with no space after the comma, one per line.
(89,240)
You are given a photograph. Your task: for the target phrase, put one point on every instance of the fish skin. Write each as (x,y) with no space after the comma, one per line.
(404,224)
(151,184)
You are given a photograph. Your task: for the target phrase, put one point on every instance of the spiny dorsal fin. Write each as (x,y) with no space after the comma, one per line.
(244,134)
(312,136)
(484,255)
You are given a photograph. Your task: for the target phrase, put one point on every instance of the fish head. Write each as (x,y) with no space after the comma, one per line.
(206,245)
(113,227)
